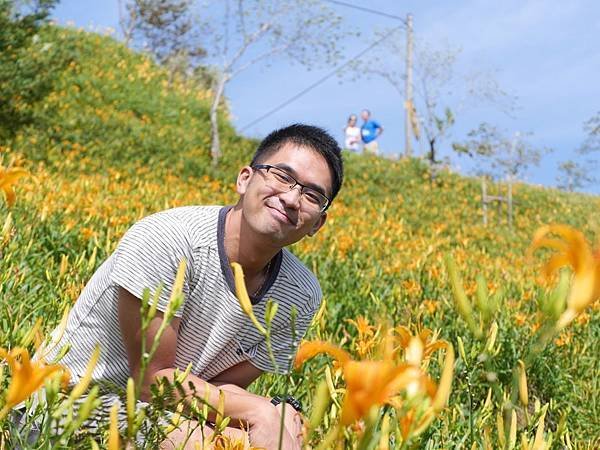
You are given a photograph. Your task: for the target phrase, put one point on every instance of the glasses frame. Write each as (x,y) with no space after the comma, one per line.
(268,167)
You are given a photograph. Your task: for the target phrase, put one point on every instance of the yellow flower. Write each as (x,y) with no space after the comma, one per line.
(27,376)
(571,250)
(8,177)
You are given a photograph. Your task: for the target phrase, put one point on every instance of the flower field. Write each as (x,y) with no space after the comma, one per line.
(436,332)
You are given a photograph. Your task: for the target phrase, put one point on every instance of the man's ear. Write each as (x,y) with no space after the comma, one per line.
(243,179)
(318,224)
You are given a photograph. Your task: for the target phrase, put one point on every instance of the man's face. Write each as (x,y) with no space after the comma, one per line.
(365,115)
(284,217)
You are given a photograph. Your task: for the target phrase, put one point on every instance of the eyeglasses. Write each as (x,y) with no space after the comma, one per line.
(284,182)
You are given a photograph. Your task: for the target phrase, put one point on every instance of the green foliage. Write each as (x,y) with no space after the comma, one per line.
(109,105)
(28,64)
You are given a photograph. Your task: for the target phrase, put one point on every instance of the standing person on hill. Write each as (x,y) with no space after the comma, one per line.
(284,194)
(352,135)
(370,131)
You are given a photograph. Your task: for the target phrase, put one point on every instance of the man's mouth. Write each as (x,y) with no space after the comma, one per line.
(281,216)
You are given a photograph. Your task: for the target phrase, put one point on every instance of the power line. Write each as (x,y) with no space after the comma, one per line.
(319,81)
(372,11)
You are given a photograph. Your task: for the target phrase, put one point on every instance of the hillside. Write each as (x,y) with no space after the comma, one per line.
(116,140)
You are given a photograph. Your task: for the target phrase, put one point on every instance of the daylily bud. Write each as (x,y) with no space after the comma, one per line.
(512,433)
(482,297)
(6,229)
(460,297)
(243,298)
(538,443)
(64,264)
(90,403)
(131,401)
(113,431)
(176,298)
(443,391)
(92,260)
(500,430)
(85,380)
(489,345)
(270,311)
(329,381)
(181,376)
(523,394)
(220,410)
(320,404)
(461,349)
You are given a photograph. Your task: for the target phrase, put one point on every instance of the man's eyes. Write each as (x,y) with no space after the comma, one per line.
(312,196)
(283,177)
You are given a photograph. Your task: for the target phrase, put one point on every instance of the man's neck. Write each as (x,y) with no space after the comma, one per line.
(245,247)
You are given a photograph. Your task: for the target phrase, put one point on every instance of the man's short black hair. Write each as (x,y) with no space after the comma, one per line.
(307,136)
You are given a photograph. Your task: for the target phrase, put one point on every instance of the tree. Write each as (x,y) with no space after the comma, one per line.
(498,153)
(440,93)
(573,175)
(580,174)
(26,76)
(592,142)
(165,28)
(243,33)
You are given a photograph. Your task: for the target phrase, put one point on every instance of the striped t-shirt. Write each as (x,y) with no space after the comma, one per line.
(214,333)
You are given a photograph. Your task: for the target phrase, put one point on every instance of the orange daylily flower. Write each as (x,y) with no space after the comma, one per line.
(362,326)
(427,337)
(8,177)
(27,376)
(366,335)
(376,382)
(571,250)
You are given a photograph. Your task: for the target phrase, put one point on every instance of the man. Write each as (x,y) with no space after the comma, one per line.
(370,131)
(284,194)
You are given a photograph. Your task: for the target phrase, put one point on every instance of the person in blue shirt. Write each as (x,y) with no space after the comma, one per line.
(370,131)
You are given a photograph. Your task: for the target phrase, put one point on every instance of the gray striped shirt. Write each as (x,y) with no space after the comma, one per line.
(214,333)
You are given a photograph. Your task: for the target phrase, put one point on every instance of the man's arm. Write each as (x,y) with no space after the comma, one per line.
(239,377)
(244,408)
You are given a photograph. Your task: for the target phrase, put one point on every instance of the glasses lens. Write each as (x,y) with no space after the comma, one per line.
(315,199)
(283,181)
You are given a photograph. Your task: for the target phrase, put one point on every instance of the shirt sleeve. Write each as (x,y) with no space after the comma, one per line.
(148,256)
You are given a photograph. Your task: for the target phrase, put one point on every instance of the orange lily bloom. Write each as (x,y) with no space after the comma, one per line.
(27,376)
(8,177)
(571,250)
(376,382)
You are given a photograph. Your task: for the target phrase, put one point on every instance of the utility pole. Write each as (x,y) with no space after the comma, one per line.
(408,89)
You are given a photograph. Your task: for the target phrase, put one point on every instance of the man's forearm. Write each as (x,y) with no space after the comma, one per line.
(241,406)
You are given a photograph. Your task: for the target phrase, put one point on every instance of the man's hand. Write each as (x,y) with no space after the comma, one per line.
(265,429)
(294,423)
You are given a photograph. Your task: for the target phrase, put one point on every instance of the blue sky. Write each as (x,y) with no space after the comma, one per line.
(543,52)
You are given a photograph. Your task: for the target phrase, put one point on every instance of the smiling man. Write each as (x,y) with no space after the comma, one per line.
(284,195)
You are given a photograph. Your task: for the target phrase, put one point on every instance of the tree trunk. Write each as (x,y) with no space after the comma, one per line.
(215,147)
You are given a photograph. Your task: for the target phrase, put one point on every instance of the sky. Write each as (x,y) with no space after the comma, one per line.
(544,53)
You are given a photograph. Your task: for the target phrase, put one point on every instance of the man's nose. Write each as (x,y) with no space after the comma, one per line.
(291,198)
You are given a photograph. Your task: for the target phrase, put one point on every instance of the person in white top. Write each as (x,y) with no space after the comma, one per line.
(352,135)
